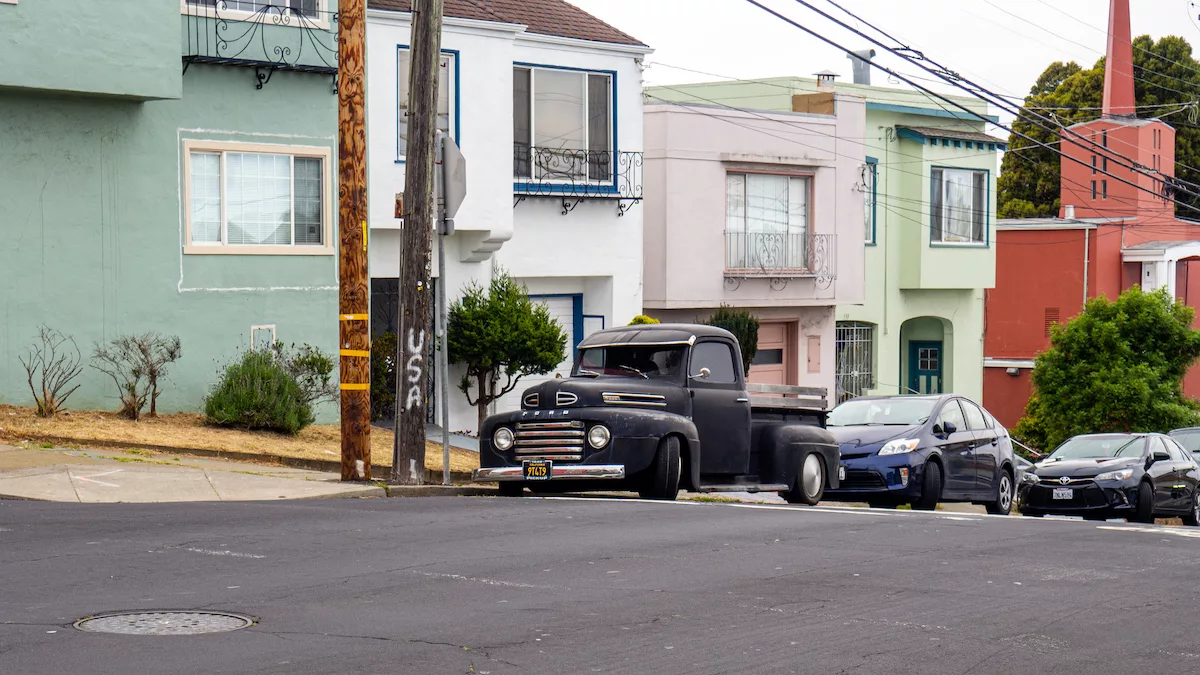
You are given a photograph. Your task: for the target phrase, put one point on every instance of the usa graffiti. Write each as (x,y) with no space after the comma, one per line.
(415,369)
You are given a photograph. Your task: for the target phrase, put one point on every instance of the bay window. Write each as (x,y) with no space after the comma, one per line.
(447,103)
(766,221)
(958,206)
(562,124)
(256,199)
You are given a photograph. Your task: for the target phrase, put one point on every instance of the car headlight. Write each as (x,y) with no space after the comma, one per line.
(1030,478)
(899,446)
(598,436)
(502,438)
(1123,474)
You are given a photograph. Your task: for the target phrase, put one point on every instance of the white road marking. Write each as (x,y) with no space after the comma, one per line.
(231,554)
(489,582)
(1191,533)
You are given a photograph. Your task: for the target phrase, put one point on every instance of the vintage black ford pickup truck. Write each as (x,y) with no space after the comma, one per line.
(656,409)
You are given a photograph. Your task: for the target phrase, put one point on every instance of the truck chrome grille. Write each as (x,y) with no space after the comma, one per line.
(565,398)
(561,441)
(630,398)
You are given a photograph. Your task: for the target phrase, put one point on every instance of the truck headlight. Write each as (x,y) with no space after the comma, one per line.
(899,446)
(599,436)
(502,438)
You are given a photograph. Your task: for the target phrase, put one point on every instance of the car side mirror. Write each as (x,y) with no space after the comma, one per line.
(1160,456)
(704,374)
(949,428)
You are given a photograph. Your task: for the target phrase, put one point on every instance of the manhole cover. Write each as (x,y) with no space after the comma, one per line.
(164,623)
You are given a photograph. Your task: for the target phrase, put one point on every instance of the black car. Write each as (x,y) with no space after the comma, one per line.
(1189,438)
(1099,476)
(922,450)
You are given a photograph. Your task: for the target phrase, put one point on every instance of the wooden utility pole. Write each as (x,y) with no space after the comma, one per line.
(354,344)
(413,336)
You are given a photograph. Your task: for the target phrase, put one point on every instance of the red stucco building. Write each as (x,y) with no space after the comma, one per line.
(1113,232)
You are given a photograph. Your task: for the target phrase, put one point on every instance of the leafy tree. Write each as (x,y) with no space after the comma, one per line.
(500,332)
(383,376)
(744,327)
(1029,175)
(642,320)
(1118,366)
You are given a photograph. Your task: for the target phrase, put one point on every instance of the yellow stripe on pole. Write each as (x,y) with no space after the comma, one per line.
(354,386)
(355,317)
(354,352)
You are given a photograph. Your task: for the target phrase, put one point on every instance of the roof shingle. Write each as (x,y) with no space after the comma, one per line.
(543,17)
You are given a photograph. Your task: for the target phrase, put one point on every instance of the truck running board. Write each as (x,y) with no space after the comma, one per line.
(768,487)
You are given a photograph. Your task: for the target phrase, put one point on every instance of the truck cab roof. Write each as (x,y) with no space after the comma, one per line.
(654,334)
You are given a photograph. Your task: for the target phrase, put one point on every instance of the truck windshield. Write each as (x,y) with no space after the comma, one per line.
(640,361)
(882,411)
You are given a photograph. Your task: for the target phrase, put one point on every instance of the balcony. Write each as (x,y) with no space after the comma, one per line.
(779,256)
(294,36)
(577,175)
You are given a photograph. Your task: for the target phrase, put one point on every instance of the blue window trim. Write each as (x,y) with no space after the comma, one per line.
(457,99)
(920,138)
(928,112)
(874,167)
(576,318)
(987,211)
(569,189)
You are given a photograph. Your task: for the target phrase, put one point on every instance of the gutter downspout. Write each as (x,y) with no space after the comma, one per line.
(1086,260)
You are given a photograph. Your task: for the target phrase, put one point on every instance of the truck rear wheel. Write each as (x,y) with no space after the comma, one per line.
(661,480)
(809,485)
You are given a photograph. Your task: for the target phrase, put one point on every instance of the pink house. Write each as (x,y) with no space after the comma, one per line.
(762,211)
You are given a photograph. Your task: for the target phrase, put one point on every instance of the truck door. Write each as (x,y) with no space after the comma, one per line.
(720,409)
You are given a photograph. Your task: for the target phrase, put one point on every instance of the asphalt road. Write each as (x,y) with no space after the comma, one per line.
(487,585)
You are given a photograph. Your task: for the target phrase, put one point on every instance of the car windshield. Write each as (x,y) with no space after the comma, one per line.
(652,362)
(1190,440)
(1099,447)
(882,411)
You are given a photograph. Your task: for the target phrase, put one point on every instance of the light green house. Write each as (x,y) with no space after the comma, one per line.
(166,166)
(929,172)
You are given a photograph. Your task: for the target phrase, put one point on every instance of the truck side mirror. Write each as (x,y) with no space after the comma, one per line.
(704,374)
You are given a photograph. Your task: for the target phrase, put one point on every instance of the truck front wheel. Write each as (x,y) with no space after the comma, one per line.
(661,480)
(809,486)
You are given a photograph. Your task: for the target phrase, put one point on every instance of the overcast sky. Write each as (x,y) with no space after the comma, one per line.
(735,39)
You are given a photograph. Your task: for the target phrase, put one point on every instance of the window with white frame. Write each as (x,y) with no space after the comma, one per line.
(870,172)
(766,221)
(308,8)
(268,199)
(958,205)
(446,104)
(562,124)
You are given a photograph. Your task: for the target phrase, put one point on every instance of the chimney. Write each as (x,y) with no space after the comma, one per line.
(825,80)
(1118,66)
(1069,212)
(861,61)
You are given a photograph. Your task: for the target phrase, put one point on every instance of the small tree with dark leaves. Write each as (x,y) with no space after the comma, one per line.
(744,327)
(51,364)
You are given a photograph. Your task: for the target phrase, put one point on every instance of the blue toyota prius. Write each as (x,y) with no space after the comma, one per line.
(922,450)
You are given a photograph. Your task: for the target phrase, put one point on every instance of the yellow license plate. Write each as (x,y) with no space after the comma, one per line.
(537,469)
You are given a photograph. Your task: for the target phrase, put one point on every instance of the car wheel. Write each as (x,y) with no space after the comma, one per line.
(1004,496)
(809,485)
(1192,519)
(511,488)
(1144,512)
(931,488)
(662,479)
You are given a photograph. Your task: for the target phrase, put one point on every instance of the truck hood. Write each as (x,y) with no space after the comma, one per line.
(865,439)
(1084,468)
(607,391)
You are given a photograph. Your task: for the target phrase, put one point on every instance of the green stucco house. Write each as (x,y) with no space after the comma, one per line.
(166,166)
(929,175)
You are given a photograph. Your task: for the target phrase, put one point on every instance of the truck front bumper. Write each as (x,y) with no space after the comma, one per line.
(557,472)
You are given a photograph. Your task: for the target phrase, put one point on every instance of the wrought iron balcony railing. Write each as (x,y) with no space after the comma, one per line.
(780,255)
(576,175)
(294,35)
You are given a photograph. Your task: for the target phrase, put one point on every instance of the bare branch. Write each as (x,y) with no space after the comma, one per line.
(50,367)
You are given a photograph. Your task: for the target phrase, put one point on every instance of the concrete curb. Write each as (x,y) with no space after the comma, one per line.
(328,466)
(439,491)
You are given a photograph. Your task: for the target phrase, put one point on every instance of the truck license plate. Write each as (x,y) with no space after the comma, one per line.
(1064,493)
(537,469)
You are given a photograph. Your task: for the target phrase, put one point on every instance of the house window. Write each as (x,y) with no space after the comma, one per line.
(244,198)
(562,125)
(1104,189)
(958,206)
(766,222)
(854,349)
(870,173)
(1093,164)
(1093,189)
(308,8)
(447,103)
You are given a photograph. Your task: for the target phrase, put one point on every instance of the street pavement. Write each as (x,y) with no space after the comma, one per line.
(493,585)
(73,475)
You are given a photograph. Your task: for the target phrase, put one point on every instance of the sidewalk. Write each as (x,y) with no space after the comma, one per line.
(109,476)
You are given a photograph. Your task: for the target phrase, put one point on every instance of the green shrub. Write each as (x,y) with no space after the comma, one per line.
(257,392)
(642,319)
(383,376)
(313,370)
(744,327)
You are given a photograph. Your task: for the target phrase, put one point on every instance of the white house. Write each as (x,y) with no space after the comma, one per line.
(545,102)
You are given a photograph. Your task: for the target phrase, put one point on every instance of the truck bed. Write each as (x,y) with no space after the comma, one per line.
(787,403)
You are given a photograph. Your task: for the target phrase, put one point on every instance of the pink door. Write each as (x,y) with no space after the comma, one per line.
(773,362)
